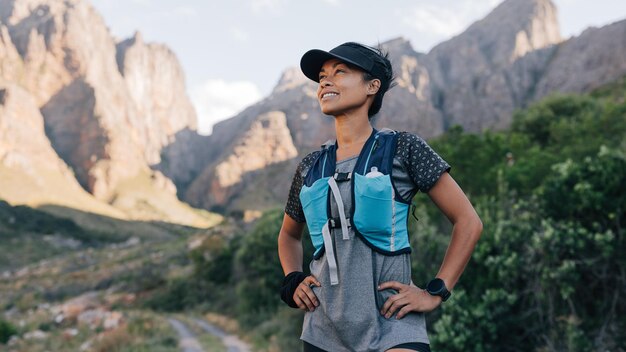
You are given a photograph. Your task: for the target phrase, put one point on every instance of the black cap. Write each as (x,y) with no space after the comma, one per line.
(365,58)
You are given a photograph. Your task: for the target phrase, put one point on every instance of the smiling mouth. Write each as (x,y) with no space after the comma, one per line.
(329,95)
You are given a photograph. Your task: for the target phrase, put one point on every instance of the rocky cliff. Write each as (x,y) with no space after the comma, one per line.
(505,61)
(470,72)
(109,108)
(265,142)
(596,57)
(117,116)
(30,170)
(156,86)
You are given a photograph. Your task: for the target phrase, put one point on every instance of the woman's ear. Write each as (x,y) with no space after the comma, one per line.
(373,86)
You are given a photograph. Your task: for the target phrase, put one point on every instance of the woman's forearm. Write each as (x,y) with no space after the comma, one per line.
(465,234)
(289,252)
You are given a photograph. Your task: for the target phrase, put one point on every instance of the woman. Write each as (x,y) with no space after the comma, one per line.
(354,196)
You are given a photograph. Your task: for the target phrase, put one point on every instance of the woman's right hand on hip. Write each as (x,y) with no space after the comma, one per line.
(304,296)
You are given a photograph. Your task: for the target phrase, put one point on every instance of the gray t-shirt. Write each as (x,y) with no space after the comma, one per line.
(348,317)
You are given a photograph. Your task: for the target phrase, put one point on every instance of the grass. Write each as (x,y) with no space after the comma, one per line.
(30,235)
(115,273)
(143,331)
(137,198)
(141,199)
(44,186)
(54,250)
(128,268)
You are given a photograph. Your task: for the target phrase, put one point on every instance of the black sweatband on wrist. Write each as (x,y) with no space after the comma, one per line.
(290,283)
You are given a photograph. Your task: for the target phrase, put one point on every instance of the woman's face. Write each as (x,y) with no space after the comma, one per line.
(341,88)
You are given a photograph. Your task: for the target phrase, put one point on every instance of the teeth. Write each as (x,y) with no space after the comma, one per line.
(328,95)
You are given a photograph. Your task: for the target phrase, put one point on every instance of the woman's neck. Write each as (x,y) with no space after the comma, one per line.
(352,131)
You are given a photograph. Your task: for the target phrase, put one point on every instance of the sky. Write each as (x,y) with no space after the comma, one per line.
(234,52)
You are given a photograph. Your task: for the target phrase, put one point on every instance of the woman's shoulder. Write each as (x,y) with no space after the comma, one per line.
(406,136)
(306,162)
(409,143)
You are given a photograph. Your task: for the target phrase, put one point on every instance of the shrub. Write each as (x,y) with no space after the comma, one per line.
(6,331)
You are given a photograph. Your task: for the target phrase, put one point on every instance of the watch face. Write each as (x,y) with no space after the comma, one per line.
(435,286)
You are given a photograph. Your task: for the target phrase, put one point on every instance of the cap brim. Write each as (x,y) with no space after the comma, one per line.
(313,60)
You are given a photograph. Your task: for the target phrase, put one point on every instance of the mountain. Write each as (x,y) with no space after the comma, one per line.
(266,141)
(596,57)
(116,126)
(109,108)
(510,58)
(470,72)
(29,167)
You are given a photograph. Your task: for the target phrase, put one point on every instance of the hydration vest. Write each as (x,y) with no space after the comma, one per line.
(379,215)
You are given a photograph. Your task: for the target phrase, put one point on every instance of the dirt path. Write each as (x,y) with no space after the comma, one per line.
(187,339)
(232,342)
(189,342)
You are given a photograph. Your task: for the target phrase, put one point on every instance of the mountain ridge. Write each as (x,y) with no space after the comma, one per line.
(475,79)
(116,113)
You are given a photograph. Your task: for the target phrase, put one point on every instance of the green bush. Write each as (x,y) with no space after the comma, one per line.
(213,261)
(180,294)
(542,274)
(6,331)
(258,270)
(548,270)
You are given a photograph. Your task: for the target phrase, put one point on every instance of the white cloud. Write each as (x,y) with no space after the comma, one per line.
(332,2)
(142,2)
(239,34)
(435,20)
(444,22)
(274,7)
(216,100)
(186,11)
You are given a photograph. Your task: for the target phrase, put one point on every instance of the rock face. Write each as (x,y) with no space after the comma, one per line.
(110,109)
(11,65)
(267,141)
(156,86)
(121,103)
(596,57)
(470,72)
(68,54)
(410,106)
(30,170)
(23,142)
(25,151)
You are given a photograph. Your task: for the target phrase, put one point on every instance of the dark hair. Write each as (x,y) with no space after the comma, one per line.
(387,82)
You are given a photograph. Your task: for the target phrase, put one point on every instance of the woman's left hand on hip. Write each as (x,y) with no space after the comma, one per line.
(409,298)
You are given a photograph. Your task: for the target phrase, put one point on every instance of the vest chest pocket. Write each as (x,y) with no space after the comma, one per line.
(374,209)
(378,216)
(313,201)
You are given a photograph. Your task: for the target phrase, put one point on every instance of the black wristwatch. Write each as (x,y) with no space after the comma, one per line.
(437,287)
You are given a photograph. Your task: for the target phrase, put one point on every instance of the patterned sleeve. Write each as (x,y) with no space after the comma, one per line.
(294,207)
(423,164)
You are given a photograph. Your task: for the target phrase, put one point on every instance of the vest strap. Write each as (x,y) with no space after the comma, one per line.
(342,214)
(330,255)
